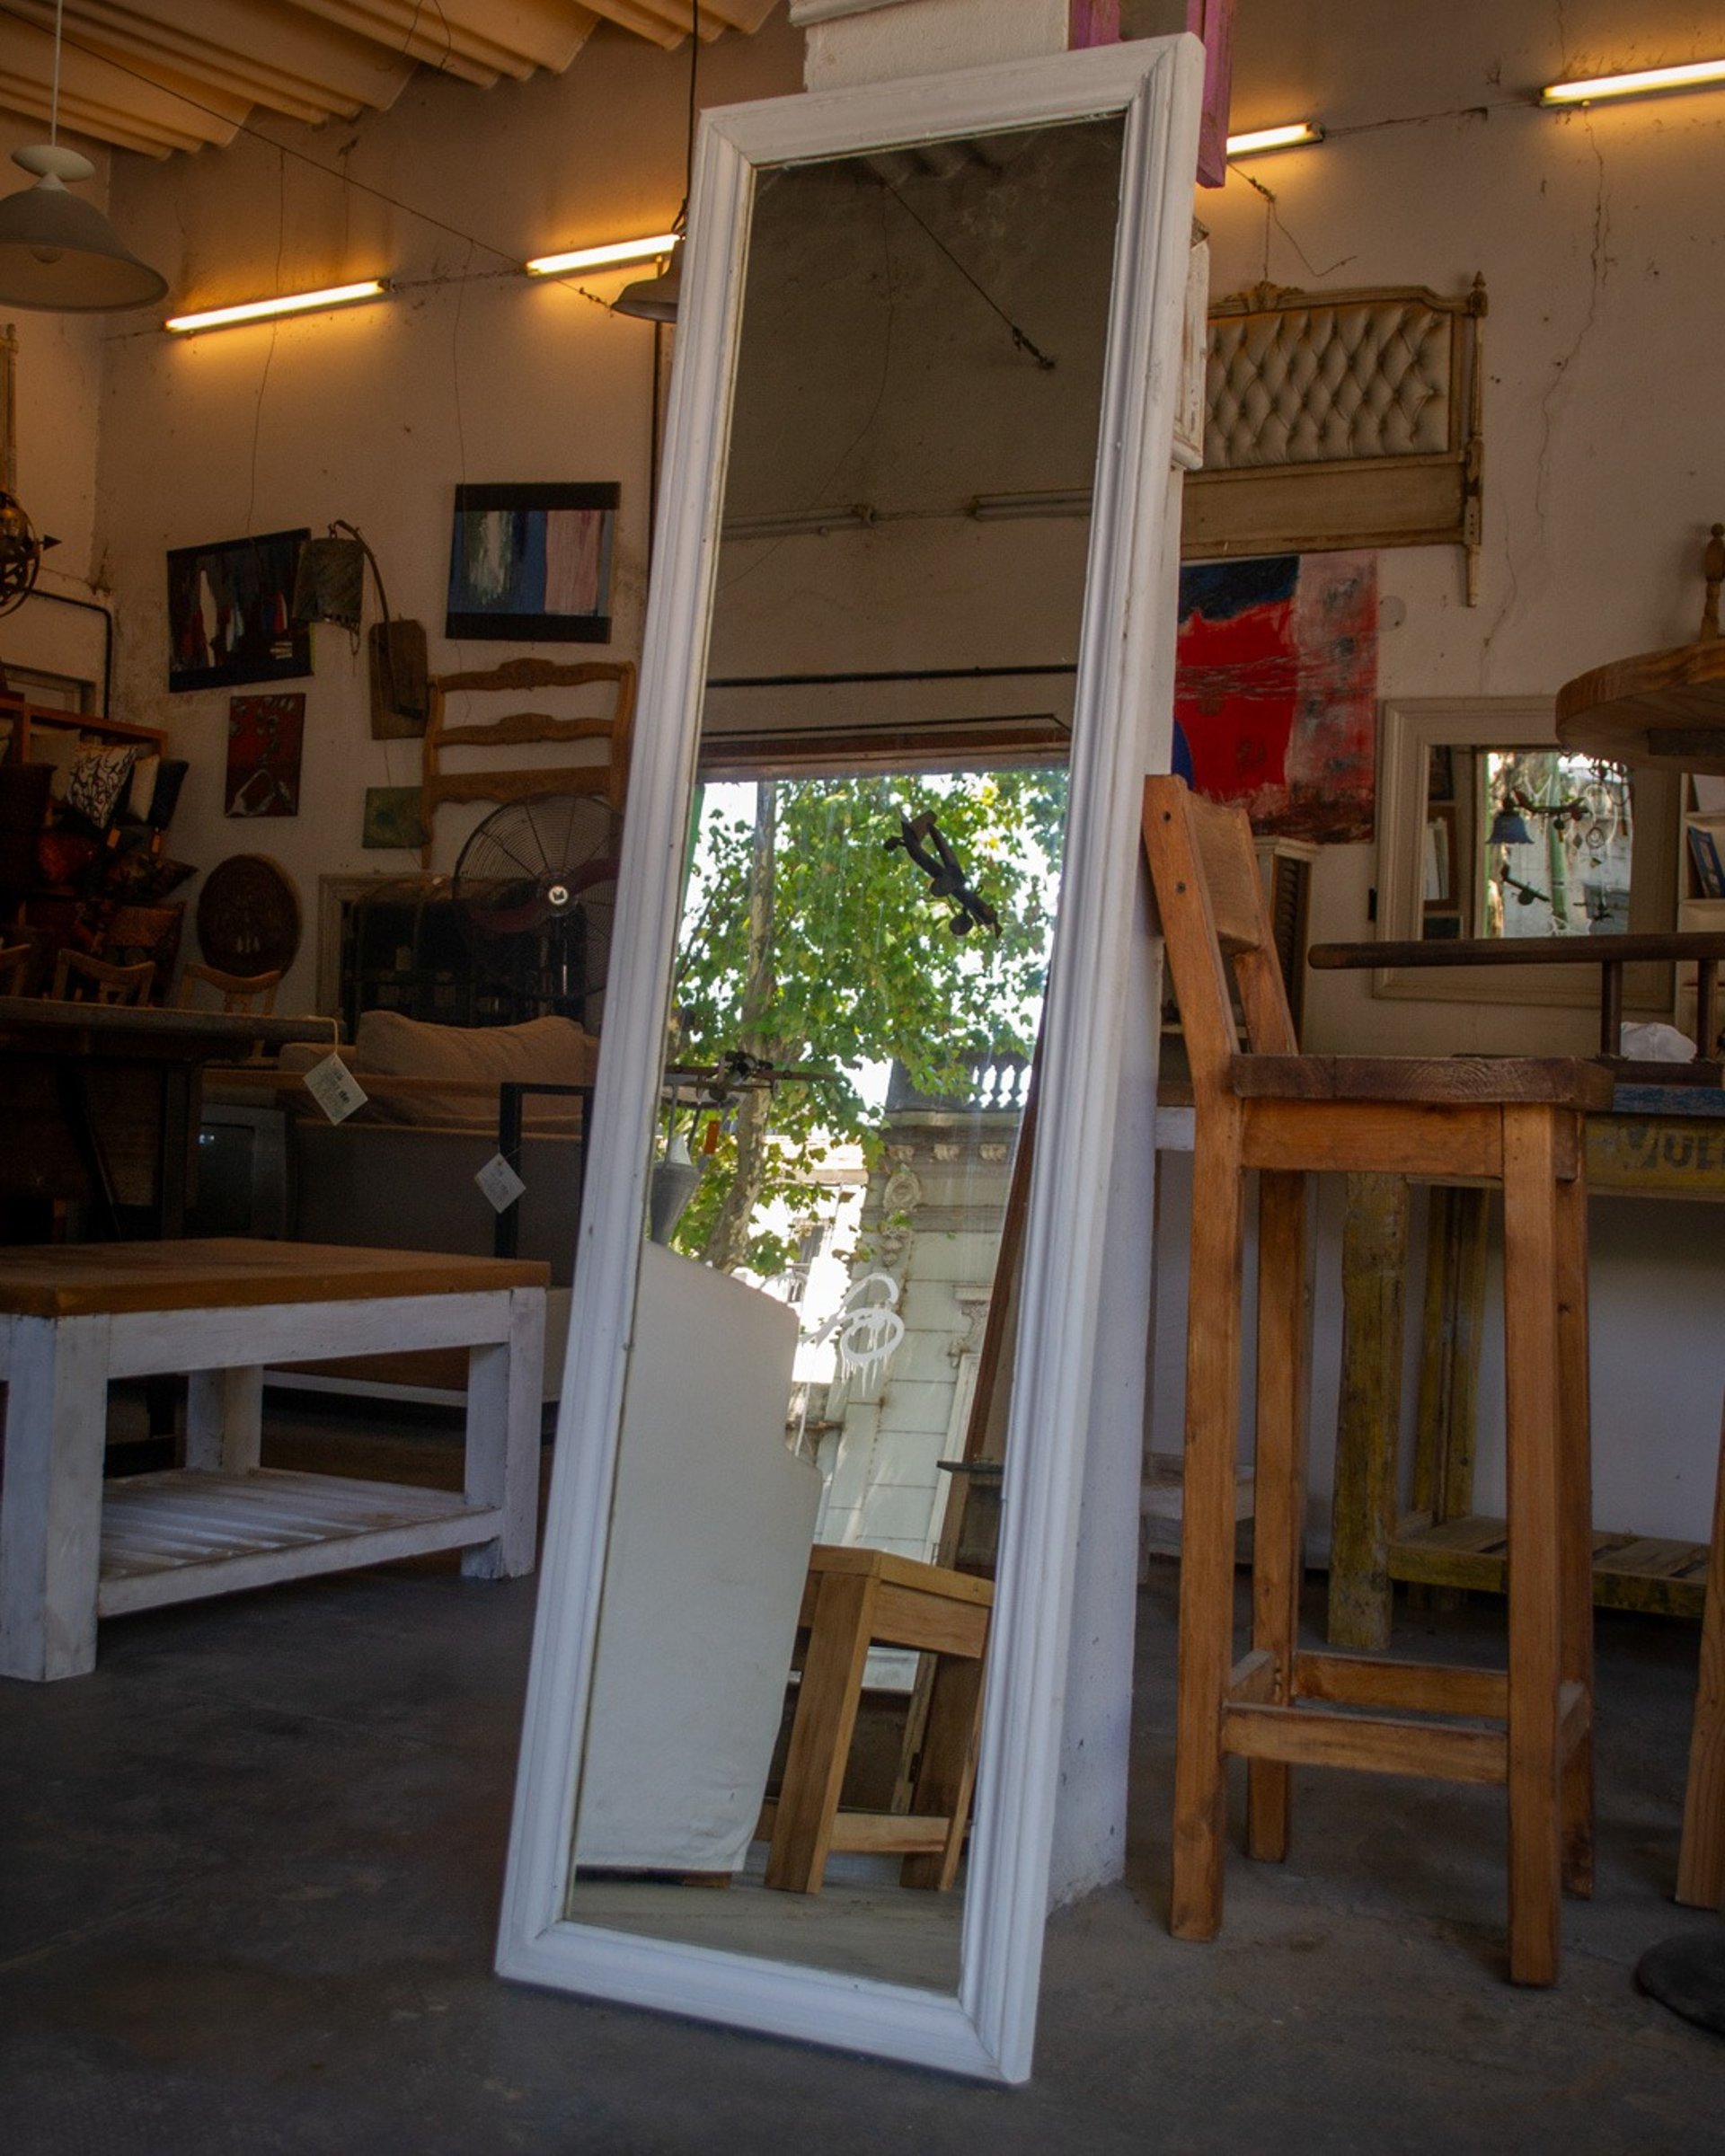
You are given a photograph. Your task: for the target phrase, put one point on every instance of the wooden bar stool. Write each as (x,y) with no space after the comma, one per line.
(855,1599)
(1261,1106)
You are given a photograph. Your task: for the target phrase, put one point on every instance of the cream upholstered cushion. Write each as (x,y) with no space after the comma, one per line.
(554,1050)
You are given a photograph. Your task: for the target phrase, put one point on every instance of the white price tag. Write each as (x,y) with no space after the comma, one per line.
(335,1089)
(500,1182)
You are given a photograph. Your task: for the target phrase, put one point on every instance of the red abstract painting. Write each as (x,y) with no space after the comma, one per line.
(1276,689)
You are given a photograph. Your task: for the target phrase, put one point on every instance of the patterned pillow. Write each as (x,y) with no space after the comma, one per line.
(98,778)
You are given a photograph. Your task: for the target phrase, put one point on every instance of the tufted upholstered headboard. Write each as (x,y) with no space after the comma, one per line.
(1340,419)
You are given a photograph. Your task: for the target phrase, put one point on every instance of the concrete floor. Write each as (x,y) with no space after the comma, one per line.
(248,1874)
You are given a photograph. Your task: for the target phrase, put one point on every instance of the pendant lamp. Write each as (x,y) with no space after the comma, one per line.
(656,298)
(57,252)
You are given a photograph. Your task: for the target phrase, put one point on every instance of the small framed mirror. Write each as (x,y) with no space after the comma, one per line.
(793,1724)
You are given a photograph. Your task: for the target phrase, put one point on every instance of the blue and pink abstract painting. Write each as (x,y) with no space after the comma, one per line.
(1276,689)
(532,565)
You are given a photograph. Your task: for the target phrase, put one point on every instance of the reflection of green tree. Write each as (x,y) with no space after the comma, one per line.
(807,940)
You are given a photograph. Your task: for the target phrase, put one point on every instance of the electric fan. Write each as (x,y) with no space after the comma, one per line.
(534,890)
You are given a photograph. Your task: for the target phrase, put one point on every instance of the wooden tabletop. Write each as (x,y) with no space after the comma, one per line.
(55,1025)
(88,1280)
(1659,707)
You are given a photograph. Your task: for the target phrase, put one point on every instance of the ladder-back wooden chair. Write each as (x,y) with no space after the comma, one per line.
(1262,1106)
(80,979)
(608,776)
(251,993)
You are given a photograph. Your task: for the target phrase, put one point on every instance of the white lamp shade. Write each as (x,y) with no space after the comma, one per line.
(59,254)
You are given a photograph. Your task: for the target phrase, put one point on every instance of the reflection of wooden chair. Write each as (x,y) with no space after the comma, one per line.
(854,1599)
(1515,1122)
(79,979)
(1701,1864)
(252,993)
(607,775)
(14,965)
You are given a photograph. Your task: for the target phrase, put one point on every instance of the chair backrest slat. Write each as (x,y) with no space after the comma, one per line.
(1210,898)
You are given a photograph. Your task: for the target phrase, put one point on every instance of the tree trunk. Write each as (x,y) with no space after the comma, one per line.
(727,1243)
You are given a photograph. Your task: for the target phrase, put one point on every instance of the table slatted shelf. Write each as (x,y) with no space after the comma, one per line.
(181,1535)
(1630,1572)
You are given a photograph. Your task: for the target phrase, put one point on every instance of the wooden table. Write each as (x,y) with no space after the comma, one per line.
(102,1101)
(1656,1141)
(74,1316)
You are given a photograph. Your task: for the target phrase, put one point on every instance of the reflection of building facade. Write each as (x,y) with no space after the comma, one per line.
(931,1217)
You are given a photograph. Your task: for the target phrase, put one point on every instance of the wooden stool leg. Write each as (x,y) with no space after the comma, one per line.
(1279,1483)
(51,1501)
(1575,1654)
(1374,1270)
(820,1734)
(1701,1865)
(1206,1527)
(946,1772)
(1534,1410)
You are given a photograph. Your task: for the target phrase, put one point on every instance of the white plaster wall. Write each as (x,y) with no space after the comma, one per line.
(1601,243)
(377,414)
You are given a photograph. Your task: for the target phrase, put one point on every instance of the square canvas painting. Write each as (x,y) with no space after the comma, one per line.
(392,817)
(1276,689)
(532,565)
(230,613)
(265,734)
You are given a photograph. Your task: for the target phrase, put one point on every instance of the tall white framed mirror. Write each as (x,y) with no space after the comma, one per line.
(823,1418)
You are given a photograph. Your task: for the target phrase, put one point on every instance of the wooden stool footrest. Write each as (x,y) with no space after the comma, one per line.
(890,1834)
(1425,1687)
(1378,1744)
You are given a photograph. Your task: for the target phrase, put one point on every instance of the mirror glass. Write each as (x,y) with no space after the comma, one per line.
(799,1578)
(1525,842)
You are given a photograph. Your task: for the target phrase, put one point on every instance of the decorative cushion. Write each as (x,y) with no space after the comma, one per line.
(555,1049)
(23,808)
(141,876)
(141,792)
(63,855)
(98,778)
(169,780)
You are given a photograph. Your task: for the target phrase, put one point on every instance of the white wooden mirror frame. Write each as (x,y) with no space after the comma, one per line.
(1120,730)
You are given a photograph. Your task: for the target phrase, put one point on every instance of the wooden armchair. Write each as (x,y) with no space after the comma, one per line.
(1262,1107)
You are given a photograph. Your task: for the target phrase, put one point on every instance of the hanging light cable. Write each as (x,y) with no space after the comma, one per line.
(57,252)
(656,298)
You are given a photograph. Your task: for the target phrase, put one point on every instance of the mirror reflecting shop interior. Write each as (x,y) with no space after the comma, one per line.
(799,1587)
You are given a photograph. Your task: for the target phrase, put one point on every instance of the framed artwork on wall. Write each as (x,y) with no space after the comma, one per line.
(392,817)
(532,565)
(230,613)
(1276,691)
(265,736)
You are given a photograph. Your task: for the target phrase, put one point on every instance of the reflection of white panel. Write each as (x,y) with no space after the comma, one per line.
(711,1528)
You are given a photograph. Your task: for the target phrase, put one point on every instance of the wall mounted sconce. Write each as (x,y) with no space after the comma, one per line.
(1642,82)
(1297,135)
(289,303)
(657,298)
(614,254)
(329,586)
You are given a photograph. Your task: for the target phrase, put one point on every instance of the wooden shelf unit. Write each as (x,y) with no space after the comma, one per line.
(28,718)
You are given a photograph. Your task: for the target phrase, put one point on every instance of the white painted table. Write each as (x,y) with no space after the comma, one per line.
(73,1548)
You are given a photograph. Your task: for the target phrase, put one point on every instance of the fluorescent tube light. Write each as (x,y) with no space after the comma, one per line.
(1294,135)
(290,302)
(612,256)
(1645,83)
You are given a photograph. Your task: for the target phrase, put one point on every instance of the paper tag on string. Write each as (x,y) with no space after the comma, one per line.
(500,1182)
(335,1089)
